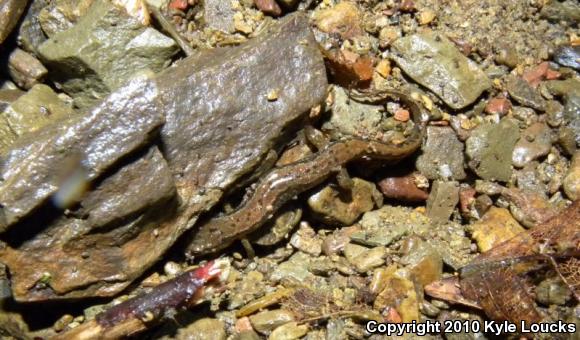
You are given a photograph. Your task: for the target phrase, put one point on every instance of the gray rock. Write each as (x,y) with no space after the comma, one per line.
(203,329)
(490,148)
(33,168)
(386,225)
(442,200)
(344,206)
(568,56)
(289,331)
(30,33)
(451,242)
(529,178)
(30,112)
(524,94)
(306,240)
(571,182)
(434,62)
(102,52)
(442,156)
(24,69)
(535,142)
(364,259)
(219,114)
(60,15)
(568,10)
(293,270)
(266,321)
(552,291)
(219,15)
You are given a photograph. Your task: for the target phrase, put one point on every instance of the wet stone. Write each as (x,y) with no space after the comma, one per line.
(344,206)
(552,291)
(251,286)
(535,142)
(386,225)
(24,69)
(294,270)
(529,178)
(422,261)
(219,15)
(203,329)
(267,321)
(61,15)
(129,115)
(10,12)
(568,56)
(30,112)
(102,52)
(306,240)
(451,243)
(496,226)
(442,156)
(403,188)
(400,294)
(364,259)
(490,149)
(289,331)
(524,94)
(442,200)
(30,33)
(572,180)
(278,227)
(434,62)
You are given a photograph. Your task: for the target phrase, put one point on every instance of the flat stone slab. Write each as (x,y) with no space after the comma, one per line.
(34,167)
(219,127)
(434,62)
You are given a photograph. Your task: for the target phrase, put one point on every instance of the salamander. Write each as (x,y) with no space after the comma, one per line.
(282,184)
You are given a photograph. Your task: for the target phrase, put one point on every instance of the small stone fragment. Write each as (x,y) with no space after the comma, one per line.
(269,7)
(490,148)
(568,56)
(552,291)
(336,242)
(529,207)
(60,15)
(402,115)
(498,105)
(421,261)
(434,62)
(25,70)
(219,15)
(426,16)
(442,156)
(331,206)
(278,227)
(466,199)
(524,94)
(403,188)
(508,56)
(266,321)
(306,240)
(289,331)
(364,259)
(343,19)
(442,200)
(206,328)
(389,224)
(384,68)
(534,143)
(30,112)
(572,180)
(399,294)
(496,226)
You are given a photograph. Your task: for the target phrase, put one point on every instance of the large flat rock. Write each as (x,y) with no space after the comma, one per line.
(219,127)
(434,62)
(34,167)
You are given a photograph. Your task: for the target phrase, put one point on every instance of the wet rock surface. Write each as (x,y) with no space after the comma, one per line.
(490,149)
(103,51)
(434,62)
(442,156)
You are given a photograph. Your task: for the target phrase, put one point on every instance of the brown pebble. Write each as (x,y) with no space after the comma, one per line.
(403,189)
(269,7)
(243,325)
(402,115)
(408,6)
(498,105)
(466,199)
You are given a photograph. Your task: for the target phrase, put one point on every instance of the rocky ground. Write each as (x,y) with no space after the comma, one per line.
(136,138)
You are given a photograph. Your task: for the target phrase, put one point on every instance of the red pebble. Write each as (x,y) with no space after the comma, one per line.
(178,4)
(466,197)
(498,105)
(402,115)
(269,7)
(403,189)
